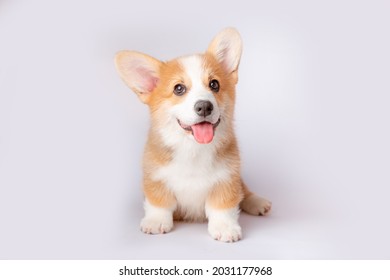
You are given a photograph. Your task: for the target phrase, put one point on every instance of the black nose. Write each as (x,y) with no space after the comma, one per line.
(203,108)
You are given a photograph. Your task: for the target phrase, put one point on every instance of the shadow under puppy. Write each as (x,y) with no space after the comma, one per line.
(191,161)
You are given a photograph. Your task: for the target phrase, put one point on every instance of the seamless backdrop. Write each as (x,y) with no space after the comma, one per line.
(312,120)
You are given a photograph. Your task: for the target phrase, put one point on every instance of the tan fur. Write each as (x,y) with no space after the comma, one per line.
(156,154)
(157,194)
(226,194)
(170,73)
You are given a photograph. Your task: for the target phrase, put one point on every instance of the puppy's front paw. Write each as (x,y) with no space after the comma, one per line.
(152,225)
(226,232)
(256,205)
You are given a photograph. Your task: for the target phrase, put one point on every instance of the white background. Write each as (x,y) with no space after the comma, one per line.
(312,119)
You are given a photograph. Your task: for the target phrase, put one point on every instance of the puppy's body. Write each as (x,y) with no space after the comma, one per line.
(191,161)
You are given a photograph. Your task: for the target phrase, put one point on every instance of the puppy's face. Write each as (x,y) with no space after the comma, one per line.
(190,96)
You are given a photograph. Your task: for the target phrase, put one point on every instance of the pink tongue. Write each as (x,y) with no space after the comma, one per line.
(203,132)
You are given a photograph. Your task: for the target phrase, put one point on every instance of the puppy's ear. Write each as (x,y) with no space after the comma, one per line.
(226,47)
(139,71)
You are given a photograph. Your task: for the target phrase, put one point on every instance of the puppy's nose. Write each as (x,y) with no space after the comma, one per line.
(203,108)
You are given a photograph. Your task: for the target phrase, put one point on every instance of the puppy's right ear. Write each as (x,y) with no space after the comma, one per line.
(139,71)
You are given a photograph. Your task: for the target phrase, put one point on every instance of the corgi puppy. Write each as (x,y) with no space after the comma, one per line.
(191,161)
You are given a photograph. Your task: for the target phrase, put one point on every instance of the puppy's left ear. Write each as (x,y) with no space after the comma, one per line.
(226,47)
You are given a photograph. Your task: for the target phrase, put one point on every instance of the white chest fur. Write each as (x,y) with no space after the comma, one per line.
(191,174)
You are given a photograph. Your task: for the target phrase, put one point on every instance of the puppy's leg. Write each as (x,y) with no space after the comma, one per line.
(159,206)
(254,204)
(222,210)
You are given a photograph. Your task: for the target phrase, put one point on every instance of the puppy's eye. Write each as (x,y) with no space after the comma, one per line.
(214,85)
(179,89)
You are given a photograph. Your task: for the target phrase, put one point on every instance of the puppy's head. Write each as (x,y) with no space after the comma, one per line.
(191,96)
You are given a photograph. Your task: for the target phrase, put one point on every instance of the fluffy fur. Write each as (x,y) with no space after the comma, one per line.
(191,161)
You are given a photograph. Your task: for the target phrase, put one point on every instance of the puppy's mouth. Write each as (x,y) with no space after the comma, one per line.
(203,131)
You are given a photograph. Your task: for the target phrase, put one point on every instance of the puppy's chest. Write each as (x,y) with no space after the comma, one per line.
(191,174)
